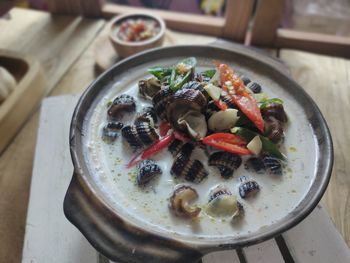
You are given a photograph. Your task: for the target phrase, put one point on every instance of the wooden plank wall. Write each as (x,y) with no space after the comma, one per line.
(264,31)
(89,8)
(267,19)
(314,42)
(233,26)
(237,17)
(175,20)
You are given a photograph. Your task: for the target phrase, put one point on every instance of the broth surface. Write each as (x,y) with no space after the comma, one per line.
(148,207)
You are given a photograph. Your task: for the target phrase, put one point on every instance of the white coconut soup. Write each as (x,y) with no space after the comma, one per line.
(148,206)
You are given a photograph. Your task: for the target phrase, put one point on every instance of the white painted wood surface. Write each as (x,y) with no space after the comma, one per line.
(317,240)
(222,257)
(266,252)
(51,238)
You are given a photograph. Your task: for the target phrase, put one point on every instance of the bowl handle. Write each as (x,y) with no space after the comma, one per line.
(115,238)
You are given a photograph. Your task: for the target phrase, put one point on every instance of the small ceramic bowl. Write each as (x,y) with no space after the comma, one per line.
(127,48)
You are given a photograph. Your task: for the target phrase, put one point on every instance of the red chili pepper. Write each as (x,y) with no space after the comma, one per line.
(139,27)
(227,137)
(164,127)
(157,146)
(152,150)
(241,97)
(227,142)
(220,104)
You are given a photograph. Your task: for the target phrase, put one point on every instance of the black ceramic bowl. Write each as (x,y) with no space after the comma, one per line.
(109,227)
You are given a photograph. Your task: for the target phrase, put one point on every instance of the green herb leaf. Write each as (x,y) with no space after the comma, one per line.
(267,146)
(181,81)
(271,148)
(209,73)
(160,72)
(267,102)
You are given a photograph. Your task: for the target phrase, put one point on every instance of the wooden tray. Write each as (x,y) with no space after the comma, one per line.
(30,89)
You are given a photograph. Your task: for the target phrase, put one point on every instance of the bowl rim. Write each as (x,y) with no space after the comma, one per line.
(205,244)
(114,21)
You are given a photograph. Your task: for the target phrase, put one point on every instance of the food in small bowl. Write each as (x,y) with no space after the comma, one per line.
(133,33)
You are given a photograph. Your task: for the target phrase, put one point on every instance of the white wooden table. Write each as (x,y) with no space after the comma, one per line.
(51,238)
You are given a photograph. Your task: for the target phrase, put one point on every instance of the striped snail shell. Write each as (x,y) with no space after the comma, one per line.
(254,87)
(255,164)
(245,80)
(175,147)
(265,163)
(110,131)
(160,101)
(183,166)
(181,199)
(274,129)
(272,165)
(148,114)
(226,162)
(147,171)
(247,187)
(121,104)
(140,134)
(149,87)
(222,203)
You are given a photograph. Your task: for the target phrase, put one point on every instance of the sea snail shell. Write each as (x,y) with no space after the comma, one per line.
(181,199)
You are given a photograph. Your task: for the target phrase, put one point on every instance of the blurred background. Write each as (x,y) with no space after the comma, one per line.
(319,16)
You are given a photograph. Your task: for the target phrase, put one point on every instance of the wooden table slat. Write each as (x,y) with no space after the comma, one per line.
(57,42)
(327,81)
(49,236)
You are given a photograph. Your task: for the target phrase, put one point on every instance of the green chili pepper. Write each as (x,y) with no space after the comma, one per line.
(182,72)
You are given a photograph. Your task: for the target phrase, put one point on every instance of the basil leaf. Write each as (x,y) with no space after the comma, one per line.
(209,73)
(267,145)
(246,134)
(271,148)
(159,72)
(267,102)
